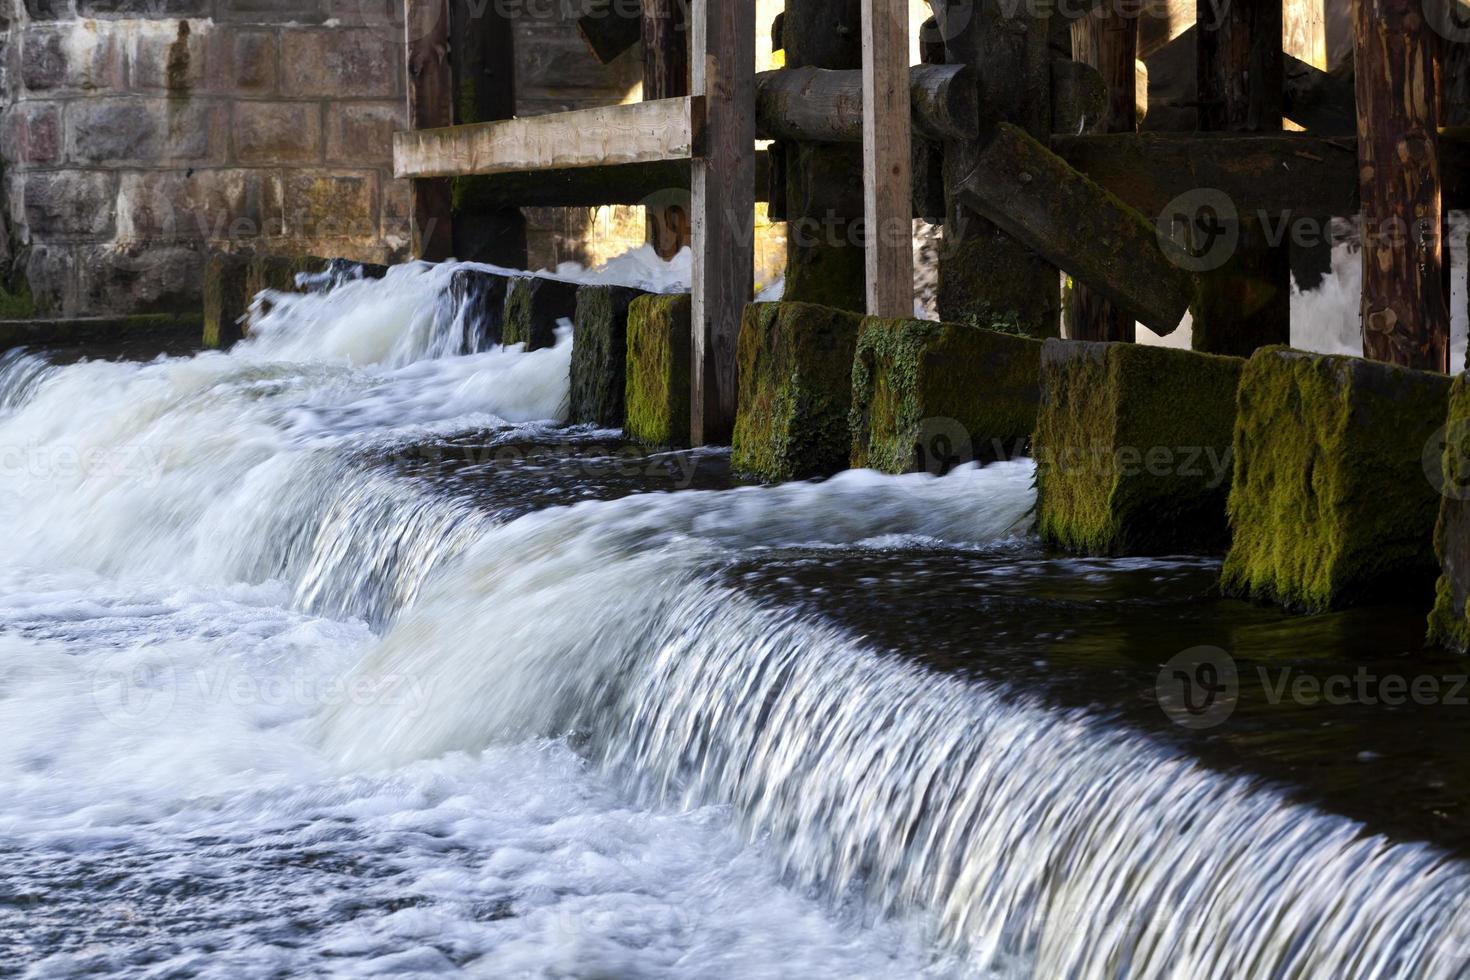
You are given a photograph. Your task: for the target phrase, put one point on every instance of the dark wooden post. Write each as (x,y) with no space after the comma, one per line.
(1246,303)
(985,276)
(482,58)
(666,75)
(1406,316)
(430,105)
(824,182)
(1108,41)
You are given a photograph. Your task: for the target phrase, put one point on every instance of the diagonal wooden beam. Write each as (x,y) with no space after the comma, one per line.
(641,132)
(1035,197)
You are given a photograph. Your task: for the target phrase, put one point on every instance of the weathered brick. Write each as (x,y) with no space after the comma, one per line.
(322,206)
(169,58)
(143,8)
(92,58)
(277,132)
(70,202)
(141,278)
(360,63)
(269,11)
(32,133)
(397,231)
(362,132)
(51,277)
(253,61)
(145,131)
(221,206)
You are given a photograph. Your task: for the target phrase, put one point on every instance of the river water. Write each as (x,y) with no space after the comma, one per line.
(338,655)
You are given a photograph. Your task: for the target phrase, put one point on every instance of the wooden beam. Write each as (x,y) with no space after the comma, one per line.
(1107,41)
(430,105)
(1406,317)
(666,76)
(887,161)
(1245,303)
(640,132)
(1038,200)
(822,105)
(724,209)
(609,28)
(590,187)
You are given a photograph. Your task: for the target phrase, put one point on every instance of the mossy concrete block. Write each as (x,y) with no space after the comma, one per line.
(1133,448)
(533,308)
(1330,505)
(658,392)
(927,395)
(600,355)
(1448,466)
(794,364)
(478,299)
(280,273)
(226,299)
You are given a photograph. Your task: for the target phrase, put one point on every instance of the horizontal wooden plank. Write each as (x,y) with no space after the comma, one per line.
(1274,173)
(665,182)
(640,132)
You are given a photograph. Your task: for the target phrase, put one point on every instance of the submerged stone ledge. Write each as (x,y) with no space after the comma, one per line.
(658,393)
(533,308)
(600,355)
(795,390)
(1133,447)
(928,396)
(1330,504)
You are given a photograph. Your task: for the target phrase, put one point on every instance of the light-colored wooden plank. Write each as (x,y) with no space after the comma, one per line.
(430,104)
(641,132)
(887,164)
(724,208)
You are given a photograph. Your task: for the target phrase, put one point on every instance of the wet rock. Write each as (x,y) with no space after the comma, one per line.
(533,309)
(226,299)
(1330,505)
(1449,623)
(795,390)
(1133,448)
(926,395)
(280,273)
(479,302)
(658,370)
(600,355)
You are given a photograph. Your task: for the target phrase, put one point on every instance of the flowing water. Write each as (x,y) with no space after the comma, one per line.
(339,655)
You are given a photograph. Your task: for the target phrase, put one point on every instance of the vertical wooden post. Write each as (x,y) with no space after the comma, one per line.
(1245,304)
(986,276)
(887,162)
(1108,41)
(824,182)
(430,105)
(1406,316)
(665,76)
(1304,31)
(724,208)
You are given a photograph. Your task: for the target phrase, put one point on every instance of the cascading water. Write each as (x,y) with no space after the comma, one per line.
(276,702)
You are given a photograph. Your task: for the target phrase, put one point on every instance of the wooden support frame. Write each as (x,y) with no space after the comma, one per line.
(724,208)
(430,104)
(887,160)
(666,76)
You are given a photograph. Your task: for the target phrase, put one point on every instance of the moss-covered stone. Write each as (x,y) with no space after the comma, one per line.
(174,331)
(989,281)
(795,390)
(226,299)
(1133,448)
(658,391)
(927,395)
(534,306)
(1329,505)
(17,302)
(1449,623)
(478,298)
(600,355)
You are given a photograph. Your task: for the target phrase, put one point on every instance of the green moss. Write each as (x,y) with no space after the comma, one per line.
(1449,623)
(795,364)
(17,303)
(824,254)
(993,282)
(926,395)
(533,309)
(600,355)
(1132,448)
(658,385)
(225,299)
(1330,505)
